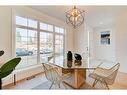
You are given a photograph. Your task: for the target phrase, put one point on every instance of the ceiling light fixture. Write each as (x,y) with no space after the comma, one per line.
(75,17)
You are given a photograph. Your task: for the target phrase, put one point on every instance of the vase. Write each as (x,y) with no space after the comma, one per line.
(69,56)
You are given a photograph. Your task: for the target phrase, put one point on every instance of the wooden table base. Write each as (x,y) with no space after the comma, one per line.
(77,79)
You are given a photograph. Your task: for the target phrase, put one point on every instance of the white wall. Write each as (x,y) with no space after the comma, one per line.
(91,43)
(5,33)
(6,15)
(81,37)
(106,52)
(121,41)
(117,51)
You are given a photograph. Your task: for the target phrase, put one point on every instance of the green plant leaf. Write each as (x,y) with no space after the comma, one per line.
(8,67)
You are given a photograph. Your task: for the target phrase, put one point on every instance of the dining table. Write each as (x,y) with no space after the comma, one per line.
(77,68)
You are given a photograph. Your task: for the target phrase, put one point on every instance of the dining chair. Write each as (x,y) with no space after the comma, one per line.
(53,75)
(50,57)
(105,76)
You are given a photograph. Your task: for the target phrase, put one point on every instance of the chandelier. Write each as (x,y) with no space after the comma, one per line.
(75,17)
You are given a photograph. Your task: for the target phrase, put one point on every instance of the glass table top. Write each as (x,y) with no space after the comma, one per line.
(62,62)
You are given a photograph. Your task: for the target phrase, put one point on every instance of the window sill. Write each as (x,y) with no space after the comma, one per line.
(27,68)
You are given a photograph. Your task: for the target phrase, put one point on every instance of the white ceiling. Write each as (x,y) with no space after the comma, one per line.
(94,15)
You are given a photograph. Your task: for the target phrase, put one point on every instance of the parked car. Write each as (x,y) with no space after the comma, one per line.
(45,51)
(23,52)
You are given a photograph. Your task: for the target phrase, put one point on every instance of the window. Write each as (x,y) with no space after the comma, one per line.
(32,23)
(35,44)
(46,45)
(26,41)
(59,40)
(45,26)
(59,44)
(59,30)
(21,21)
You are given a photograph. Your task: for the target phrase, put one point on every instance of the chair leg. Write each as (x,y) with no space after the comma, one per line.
(59,85)
(51,85)
(95,82)
(106,85)
(64,85)
(0,83)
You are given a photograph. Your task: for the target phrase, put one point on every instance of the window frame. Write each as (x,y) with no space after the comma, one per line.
(14,26)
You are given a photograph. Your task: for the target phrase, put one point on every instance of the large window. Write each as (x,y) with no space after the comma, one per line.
(26,41)
(36,41)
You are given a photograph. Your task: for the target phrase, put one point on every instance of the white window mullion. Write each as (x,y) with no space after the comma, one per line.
(38,42)
(53,40)
(25,27)
(27,39)
(64,43)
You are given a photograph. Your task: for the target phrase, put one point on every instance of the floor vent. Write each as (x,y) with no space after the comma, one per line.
(31,77)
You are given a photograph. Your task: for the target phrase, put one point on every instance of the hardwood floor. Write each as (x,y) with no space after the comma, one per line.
(120,83)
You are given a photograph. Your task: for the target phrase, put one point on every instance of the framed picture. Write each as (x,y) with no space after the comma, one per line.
(105,38)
